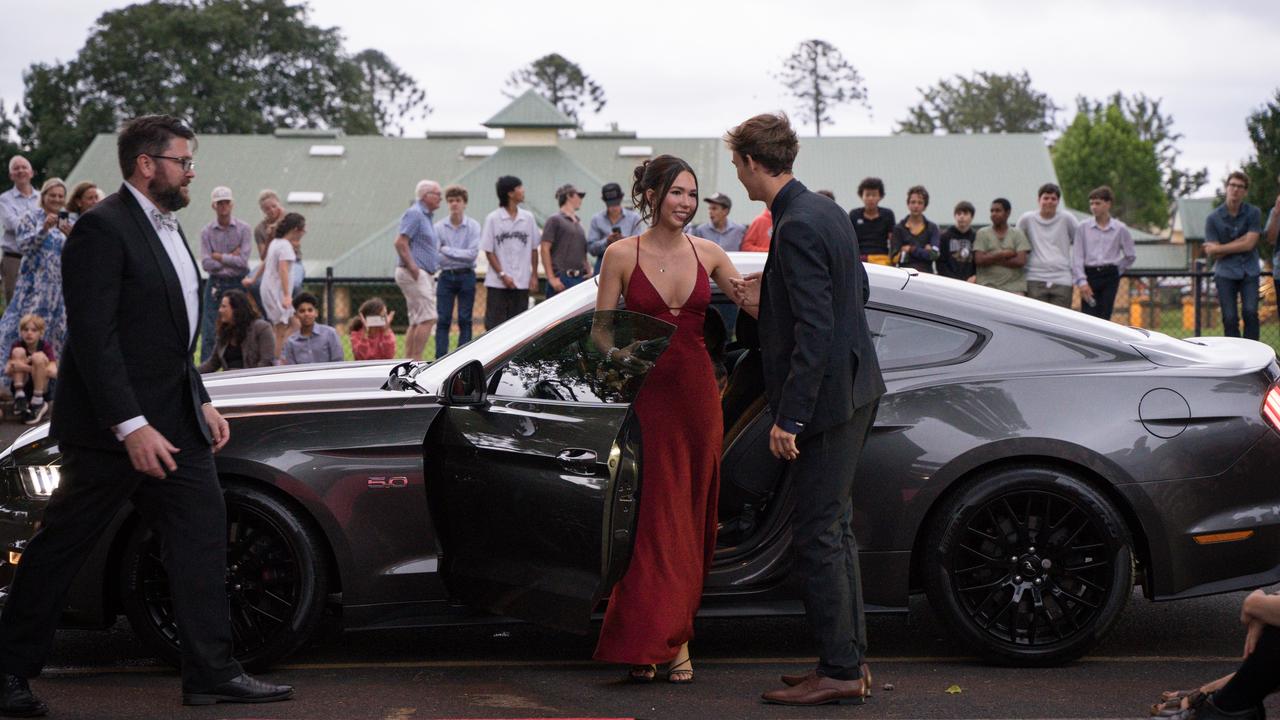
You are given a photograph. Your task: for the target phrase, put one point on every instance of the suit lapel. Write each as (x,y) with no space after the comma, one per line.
(172,286)
(200,294)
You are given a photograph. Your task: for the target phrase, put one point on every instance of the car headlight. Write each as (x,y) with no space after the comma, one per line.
(40,480)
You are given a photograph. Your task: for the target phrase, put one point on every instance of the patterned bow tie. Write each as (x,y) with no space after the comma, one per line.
(164,221)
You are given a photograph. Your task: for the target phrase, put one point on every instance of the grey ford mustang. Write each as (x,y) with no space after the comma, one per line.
(1028,466)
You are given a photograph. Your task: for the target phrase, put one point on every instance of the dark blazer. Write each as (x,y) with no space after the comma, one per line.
(819,361)
(127,351)
(258,349)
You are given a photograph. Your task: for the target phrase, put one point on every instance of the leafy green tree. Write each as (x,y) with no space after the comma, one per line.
(395,97)
(1152,124)
(819,78)
(561,81)
(984,103)
(227,66)
(1102,146)
(8,134)
(1263,166)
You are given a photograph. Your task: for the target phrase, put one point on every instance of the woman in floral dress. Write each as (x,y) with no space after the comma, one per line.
(41,236)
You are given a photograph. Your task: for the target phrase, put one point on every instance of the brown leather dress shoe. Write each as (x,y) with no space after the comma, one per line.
(794,680)
(820,690)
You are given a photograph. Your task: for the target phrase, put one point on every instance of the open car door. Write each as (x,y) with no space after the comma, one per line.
(533,469)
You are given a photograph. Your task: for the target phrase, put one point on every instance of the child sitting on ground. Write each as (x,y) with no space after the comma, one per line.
(32,365)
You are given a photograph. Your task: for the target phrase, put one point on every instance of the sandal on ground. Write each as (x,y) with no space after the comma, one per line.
(681,675)
(1175,701)
(642,673)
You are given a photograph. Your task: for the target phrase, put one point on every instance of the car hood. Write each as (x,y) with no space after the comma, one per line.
(285,383)
(292,381)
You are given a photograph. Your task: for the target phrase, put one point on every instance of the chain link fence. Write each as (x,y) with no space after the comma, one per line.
(1185,304)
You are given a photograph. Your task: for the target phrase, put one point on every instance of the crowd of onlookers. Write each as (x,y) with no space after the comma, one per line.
(255,315)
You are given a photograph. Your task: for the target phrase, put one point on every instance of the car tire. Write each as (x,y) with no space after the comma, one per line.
(1028,565)
(277,579)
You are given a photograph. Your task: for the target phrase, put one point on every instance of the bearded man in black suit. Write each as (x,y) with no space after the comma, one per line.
(134,423)
(823,383)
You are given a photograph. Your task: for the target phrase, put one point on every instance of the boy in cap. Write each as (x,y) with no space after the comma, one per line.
(611,224)
(720,229)
(564,243)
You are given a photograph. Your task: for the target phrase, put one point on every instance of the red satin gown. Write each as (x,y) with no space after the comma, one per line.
(650,613)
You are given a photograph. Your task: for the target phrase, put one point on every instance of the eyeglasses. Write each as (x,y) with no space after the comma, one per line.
(187,164)
(1238,186)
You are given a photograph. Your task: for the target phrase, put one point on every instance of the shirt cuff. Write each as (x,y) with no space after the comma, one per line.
(123,429)
(795,427)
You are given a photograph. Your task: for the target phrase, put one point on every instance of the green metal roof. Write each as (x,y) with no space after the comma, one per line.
(368,186)
(530,110)
(541,169)
(1192,213)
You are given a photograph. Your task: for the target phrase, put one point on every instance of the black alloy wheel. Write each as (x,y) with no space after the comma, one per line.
(1029,566)
(276,582)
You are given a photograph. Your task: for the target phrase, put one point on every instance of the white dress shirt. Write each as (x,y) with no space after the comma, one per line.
(185,267)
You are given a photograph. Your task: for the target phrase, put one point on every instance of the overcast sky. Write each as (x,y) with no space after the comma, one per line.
(695,68)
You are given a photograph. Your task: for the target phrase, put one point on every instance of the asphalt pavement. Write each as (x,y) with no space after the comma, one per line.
(518,671)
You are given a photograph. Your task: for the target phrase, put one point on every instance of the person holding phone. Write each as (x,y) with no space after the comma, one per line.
(38,290)
(371,335)
(611,224)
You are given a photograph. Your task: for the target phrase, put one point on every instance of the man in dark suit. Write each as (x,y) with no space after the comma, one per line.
(822,381)
(134,423)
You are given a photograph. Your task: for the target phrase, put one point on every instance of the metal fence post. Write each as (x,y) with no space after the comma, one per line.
(328,296)
(1198,295)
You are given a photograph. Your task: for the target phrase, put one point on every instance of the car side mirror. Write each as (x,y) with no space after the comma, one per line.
(466,386)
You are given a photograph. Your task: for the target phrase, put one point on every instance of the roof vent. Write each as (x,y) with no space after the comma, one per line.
(301,197)
(457,135)
(477,151)
(314,133)
(635,150)
(328,151)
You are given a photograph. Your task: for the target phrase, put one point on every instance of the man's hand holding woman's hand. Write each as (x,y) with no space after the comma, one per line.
(746,289)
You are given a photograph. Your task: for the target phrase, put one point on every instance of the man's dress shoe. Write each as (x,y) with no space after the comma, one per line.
(16,699)
(820,690)
(240,689)
(794,680)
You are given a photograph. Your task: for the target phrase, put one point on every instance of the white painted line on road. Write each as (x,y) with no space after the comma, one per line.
(462,664)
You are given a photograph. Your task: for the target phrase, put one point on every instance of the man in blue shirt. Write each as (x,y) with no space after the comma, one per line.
(418,249)
(459,245)
(1231,235)
(611,224)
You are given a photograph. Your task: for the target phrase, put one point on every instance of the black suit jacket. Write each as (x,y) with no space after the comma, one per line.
(819,361)
(127,351)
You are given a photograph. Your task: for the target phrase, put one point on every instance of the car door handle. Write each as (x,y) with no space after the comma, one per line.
(577,459)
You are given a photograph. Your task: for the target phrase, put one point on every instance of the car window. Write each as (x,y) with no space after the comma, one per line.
(907,341)
(595,357)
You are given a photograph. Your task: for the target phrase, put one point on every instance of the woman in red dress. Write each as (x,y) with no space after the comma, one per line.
(664,273)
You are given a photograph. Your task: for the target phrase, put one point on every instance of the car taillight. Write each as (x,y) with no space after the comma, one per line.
(1271,407)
